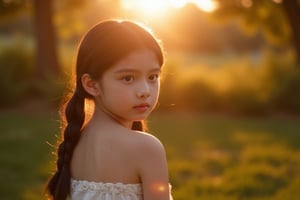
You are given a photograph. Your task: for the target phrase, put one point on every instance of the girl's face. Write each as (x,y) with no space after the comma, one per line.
(130,88)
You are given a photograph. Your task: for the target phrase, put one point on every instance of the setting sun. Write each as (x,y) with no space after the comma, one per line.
(146,7)
(155,8)
(205,5)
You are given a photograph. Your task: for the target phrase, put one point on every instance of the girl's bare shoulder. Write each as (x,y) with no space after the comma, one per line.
(149,139)
(147,144)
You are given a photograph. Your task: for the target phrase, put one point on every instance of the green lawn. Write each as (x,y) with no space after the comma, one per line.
(25,154)
(214,158)
(210,158)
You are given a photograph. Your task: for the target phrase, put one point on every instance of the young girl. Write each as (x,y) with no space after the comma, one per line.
(110,157)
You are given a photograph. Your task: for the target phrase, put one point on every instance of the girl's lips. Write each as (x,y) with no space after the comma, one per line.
(142,107)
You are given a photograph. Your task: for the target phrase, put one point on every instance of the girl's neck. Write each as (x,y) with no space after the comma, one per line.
(106,117)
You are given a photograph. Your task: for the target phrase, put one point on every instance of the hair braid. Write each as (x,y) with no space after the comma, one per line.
(59,184)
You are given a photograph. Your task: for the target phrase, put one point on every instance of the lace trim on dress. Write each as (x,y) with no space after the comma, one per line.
(82,185)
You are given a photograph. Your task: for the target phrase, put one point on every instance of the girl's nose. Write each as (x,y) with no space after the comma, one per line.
(143,91)
(144,94)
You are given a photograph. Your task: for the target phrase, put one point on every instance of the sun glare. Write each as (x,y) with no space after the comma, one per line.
(205,5)
(155,8)
(146,7)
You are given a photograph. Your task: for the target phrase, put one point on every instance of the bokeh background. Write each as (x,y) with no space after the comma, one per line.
(229,109)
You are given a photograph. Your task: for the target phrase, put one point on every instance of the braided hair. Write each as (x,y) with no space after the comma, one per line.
(104,45)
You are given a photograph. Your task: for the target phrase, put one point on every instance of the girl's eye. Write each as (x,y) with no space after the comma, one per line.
(153,77)
(128,79)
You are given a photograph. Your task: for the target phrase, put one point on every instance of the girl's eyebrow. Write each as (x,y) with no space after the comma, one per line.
(125,70)
(130,70)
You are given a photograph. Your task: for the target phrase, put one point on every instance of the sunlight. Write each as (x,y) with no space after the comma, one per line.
(205,5)
(155,8)
(146,7)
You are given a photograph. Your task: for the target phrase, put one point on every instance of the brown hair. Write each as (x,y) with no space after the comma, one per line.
(102,46)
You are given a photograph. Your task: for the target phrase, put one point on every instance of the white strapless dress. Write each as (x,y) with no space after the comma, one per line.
(87,190)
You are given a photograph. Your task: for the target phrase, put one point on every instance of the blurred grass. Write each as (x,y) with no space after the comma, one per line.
(24,153)
(210,157)
(218,157)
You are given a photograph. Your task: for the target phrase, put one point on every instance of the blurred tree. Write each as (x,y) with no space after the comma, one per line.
(278,19)
(46,53)
(43,12)
(191,30)
(8,8)
(292,10)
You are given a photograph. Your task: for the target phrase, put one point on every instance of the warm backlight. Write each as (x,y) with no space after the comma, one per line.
(146,7)
(205,5)
(155,8)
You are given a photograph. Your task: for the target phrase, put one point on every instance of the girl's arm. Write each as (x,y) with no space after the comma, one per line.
(154,170)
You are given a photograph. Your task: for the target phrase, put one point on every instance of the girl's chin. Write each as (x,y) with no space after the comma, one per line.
(135,117)
(138,119)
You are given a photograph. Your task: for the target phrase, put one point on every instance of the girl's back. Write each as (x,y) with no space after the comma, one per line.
(103,166)
(108,163)
(107,155)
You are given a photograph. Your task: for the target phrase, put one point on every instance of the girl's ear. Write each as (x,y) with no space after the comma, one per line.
(91,86)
